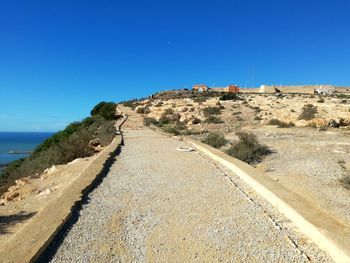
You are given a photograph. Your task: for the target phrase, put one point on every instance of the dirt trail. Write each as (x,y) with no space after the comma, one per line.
(159,204)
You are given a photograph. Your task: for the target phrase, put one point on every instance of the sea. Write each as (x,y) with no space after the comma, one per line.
(19,141)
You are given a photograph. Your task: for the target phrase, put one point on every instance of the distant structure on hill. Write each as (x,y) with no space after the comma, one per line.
(200,87)
(297,88)
(203,87)
(311,89)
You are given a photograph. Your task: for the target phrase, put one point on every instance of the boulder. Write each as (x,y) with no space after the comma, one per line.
(333,123)
(50,170)
(22,181)
(95,142)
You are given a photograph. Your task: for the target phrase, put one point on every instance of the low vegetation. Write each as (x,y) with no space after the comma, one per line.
(209,111)
(308,112)
(200,99)
(213,119)
(229,96)
(281,124)
(171,130)
(65,146)
(248,149)
(106,110)
(345,181)
(131,104)
(148,121)
(215,140)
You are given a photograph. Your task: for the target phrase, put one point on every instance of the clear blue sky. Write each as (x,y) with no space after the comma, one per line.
(58,58)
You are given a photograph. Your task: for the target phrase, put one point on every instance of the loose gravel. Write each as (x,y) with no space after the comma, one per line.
(158,204)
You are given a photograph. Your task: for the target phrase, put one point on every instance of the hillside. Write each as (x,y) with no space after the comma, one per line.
(308,136)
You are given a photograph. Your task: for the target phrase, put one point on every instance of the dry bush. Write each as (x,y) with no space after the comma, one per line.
(131,104)
(215,140)
(281,124)
(248,149)
(200,99)
(159,104)
(308,112)
(168,112)
(345,181)
(213,119)
(106,132)
(196,121)
(148,121)
(180,125)
(172,130)
(208,111)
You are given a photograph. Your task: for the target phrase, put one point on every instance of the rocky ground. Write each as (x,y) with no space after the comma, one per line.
(23,200)
(310,156)
(159,204)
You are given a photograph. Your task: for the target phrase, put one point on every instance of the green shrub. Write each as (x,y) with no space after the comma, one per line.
(257,118)
(106,110)
(248,149)
(180,126)
(308,112)
(200,99)
(208,111)
(168,117)
(229,96)
(215,140)
(320,100)
(196,121)
(64,146)
(163,120)
(148,121)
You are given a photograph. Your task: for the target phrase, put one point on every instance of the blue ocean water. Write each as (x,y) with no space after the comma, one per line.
(19,141)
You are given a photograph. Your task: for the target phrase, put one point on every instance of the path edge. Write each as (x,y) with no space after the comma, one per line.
(287,203)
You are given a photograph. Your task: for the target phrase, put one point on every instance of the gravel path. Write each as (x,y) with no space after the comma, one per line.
(158,204)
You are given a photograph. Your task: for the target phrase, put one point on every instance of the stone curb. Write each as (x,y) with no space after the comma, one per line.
(325,231)
(32,240)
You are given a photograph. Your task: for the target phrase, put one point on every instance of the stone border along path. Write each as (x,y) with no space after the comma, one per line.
(328,233)
(30,242)
(158,204)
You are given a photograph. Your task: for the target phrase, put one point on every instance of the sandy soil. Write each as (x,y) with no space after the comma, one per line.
(35,194)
